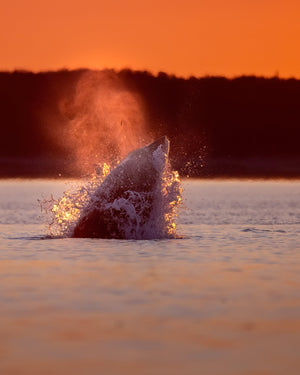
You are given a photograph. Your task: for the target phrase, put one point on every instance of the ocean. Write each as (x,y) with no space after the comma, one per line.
(223,298)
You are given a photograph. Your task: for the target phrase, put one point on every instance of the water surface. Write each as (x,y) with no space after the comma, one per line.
(225,299)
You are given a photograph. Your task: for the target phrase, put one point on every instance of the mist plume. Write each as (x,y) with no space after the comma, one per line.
(104,121)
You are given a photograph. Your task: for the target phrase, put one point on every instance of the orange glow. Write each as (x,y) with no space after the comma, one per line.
(191,37)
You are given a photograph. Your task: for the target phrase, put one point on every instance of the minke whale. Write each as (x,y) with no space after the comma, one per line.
(127,203)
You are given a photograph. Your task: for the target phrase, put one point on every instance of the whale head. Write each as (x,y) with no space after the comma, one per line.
(162,142)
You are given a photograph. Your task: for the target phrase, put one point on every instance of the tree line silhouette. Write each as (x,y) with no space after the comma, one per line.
(246,126)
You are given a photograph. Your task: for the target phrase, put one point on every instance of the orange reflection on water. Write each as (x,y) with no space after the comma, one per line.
(156,316)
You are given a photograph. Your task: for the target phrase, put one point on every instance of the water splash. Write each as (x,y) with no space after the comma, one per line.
(133,214)
(62,214)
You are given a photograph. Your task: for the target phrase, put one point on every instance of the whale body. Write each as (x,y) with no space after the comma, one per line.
(125,204)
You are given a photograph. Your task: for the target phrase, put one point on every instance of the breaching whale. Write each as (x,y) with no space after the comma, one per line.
(126,204)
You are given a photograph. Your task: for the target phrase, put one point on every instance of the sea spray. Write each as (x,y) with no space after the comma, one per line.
(62,214)
(103,120)
(138,199)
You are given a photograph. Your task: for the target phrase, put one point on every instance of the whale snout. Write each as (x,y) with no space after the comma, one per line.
(163,142)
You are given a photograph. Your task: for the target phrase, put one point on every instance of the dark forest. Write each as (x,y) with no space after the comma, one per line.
(218,127)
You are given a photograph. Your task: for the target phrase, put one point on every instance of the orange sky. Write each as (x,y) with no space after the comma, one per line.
(187,37)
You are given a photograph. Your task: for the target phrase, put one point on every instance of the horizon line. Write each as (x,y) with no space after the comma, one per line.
(276,75)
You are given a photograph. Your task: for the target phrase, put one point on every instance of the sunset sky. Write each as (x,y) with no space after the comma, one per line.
(187,37)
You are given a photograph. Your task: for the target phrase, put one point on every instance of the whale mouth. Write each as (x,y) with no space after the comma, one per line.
(165,145)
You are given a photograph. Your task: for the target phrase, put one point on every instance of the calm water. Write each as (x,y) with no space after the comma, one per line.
(225,299)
